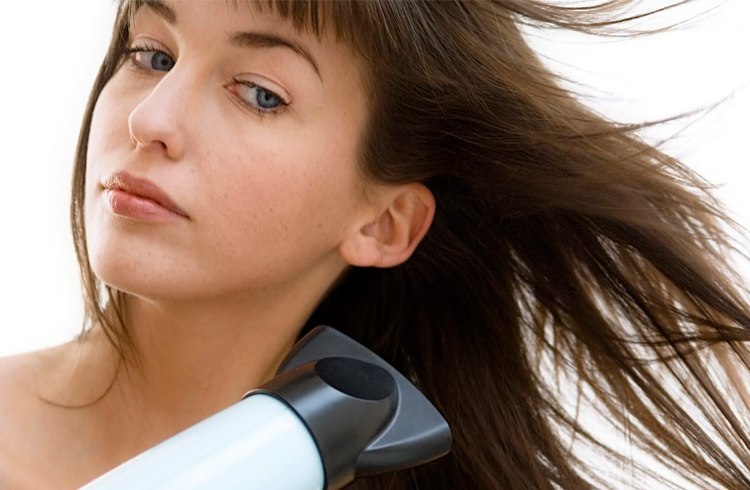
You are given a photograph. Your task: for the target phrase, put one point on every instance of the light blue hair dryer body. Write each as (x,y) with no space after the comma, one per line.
(335,412)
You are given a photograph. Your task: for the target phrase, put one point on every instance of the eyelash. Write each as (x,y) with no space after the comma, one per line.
(131,53)
(283,104)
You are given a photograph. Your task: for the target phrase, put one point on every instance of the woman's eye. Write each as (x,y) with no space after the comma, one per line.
(259,98)
(151,59)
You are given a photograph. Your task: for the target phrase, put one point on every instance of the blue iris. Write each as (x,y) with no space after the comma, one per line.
(266,99)
(161,61)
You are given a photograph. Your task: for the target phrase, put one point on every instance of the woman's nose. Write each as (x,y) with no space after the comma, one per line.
(158,121)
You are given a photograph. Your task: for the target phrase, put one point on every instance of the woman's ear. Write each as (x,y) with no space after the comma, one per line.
(404,213)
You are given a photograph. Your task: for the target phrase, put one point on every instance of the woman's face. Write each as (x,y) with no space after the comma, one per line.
(222,155)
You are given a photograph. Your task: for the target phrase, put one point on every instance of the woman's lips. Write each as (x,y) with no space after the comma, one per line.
(138,198)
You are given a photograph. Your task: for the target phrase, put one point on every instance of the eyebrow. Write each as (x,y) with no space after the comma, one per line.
(268,40)
(242,39)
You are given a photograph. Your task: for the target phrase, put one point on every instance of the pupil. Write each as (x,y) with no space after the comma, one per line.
(266,100)
(160,61)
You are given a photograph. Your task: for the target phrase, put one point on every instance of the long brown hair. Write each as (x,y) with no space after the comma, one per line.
(568,260)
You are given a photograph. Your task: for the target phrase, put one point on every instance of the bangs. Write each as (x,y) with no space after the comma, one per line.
(309,16)
(305,15)
(351,22)
(368,27)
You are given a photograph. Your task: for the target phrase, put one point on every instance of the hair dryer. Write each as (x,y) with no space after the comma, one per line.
(335,412)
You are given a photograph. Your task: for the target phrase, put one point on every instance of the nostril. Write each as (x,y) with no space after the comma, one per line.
(155,127)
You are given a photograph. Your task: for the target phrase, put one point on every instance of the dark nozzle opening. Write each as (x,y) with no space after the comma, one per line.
(356,378)
(365,416)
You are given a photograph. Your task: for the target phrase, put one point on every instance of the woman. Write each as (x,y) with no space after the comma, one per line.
(409,173)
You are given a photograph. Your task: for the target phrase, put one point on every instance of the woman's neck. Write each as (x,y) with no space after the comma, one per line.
(196,360)
(207,353)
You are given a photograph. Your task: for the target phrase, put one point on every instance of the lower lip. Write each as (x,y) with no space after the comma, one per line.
(137,208)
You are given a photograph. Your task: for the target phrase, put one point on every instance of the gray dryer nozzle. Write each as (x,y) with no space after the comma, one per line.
(365,417)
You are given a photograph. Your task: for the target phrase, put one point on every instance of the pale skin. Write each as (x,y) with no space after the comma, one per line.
(274,210)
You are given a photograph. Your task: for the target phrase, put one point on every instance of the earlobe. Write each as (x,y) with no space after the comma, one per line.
(403,218)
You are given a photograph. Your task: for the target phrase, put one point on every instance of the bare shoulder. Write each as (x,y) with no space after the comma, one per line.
(17,375)
(21,416)
(13,370)
(47,432)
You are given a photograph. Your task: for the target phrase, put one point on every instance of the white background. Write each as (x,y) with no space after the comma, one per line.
(51,51)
